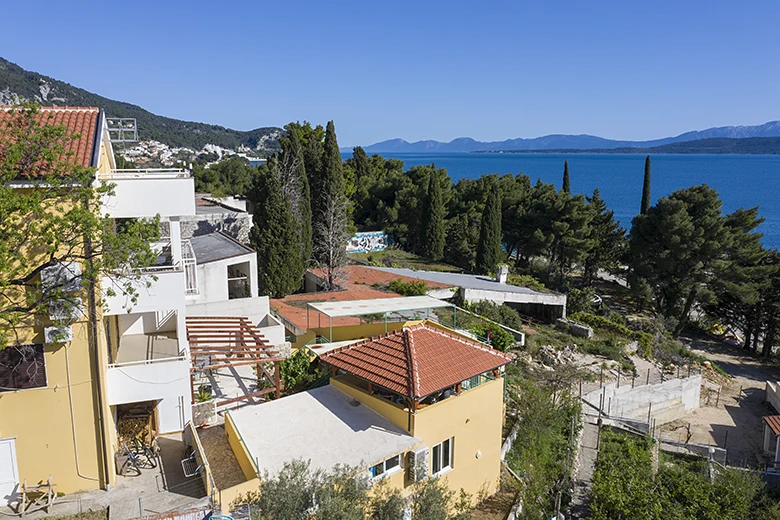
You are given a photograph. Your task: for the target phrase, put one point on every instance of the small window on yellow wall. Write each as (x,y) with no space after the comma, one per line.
(442,457)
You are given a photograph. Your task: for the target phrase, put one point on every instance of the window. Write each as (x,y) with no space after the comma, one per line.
(388,467)
(22,367)
(442,457)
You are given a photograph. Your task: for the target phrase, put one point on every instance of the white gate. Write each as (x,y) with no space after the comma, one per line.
(9,474)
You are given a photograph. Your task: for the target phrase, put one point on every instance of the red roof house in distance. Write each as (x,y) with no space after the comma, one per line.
(360,283)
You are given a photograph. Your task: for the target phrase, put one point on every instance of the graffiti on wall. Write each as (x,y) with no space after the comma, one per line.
(368,242)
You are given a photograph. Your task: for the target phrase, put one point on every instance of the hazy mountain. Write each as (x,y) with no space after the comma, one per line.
(570,142)
(17,84)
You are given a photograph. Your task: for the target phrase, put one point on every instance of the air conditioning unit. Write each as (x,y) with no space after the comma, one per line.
(66,276)
(418,463)
(58,334)
(66,309)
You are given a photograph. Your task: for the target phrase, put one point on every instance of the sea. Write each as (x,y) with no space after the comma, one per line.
(742,181)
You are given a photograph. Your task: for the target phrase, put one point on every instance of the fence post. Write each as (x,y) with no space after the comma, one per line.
(580,388)
(633,379)
(140,507)
(601,377)
(648,377)
(649,409)
(717,400)
(689,370)
(618,381)
(678,371)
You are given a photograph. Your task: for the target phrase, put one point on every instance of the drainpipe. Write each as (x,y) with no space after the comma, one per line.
(73,419)
(93,345)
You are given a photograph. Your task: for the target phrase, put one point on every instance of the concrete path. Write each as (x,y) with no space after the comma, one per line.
(580,503)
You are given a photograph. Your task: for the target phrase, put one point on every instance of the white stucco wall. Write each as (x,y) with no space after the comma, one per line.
(213,279)
(165,381)
(665,401)
(147,197)
(167,292)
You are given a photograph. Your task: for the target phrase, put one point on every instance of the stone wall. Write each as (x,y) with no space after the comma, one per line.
(237,225)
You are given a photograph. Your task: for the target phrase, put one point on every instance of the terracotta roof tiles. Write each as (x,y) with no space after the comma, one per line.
(416,361)
(77,120)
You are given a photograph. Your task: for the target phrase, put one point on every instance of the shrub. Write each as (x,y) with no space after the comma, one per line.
(410,288)
(644,339)
(500,338)
(580,300)
(526,280)
(498,313)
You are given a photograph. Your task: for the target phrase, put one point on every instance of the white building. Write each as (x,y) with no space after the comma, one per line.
(211,275)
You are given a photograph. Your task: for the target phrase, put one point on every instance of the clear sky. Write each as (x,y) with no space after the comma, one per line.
(417,69)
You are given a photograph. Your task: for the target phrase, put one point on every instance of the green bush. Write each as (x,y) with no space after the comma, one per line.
(644,339)
(498,313)
(410,288)
(580,300)
(526,280)
(500,338)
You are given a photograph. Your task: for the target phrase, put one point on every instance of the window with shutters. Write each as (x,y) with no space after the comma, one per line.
(22,367)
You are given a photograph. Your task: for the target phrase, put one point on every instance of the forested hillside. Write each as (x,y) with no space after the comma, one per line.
(17,83)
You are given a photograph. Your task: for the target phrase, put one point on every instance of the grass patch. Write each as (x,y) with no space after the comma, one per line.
(398,258)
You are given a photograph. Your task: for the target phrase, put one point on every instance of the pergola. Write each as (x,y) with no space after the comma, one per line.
(226,342)
(407,307)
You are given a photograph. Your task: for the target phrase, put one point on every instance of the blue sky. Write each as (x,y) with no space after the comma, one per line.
(418,69)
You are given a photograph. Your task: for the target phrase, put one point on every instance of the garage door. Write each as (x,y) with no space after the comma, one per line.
(9,475)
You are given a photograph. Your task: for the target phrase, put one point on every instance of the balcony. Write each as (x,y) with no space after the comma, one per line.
(146,193)
(174,281)
(152,367)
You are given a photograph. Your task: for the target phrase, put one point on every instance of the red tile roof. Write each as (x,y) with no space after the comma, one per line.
(358,285)
(416,361)
(77,120)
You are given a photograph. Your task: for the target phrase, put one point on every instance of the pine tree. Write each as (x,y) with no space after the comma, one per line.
(566,188)
(329,210)
(607,239)
(646,188)
(433,220)
(275,236)
(489,252)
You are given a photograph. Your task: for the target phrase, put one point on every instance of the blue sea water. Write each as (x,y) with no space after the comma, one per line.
(741,180)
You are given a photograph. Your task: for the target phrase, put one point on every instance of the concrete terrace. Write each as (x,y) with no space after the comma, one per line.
(324,425)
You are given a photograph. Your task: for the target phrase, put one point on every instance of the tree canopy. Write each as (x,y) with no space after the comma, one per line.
(56,223)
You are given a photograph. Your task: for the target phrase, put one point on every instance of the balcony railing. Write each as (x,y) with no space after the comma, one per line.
(156,173)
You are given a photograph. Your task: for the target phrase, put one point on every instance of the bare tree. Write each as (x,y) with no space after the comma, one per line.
(331,246)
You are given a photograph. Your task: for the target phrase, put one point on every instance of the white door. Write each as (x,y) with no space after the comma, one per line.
(9,474)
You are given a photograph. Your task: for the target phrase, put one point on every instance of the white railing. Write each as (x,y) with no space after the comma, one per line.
(156,173)
(190,264)
(147,361)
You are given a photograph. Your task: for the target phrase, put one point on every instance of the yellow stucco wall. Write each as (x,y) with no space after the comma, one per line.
(474,419)
(40,419)
(394,413)
(239,448)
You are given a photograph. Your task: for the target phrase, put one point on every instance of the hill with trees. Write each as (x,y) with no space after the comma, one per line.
(17,84)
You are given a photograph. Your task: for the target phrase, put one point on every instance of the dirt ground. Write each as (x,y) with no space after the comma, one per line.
(732,419)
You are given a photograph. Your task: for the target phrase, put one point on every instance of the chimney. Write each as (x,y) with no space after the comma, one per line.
(502,271)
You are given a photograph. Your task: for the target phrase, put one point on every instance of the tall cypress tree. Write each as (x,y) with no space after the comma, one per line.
(433,224)
(274,236)
(566,188)
(646,188)
(329,209)
(294,158)
(489,245)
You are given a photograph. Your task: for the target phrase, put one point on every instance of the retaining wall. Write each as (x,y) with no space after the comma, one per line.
(664,402)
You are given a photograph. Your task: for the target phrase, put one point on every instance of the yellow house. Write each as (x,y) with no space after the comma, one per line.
(422,401)
(54,416)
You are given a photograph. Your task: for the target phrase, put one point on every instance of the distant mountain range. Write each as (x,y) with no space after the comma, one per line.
(18,84)
(572,142)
